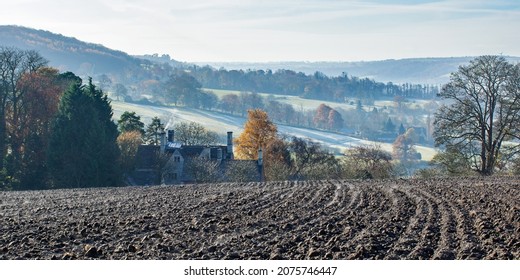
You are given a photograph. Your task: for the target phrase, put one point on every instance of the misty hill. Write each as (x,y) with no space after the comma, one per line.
(433,71)
(71,54)
(163,59)
(67,53)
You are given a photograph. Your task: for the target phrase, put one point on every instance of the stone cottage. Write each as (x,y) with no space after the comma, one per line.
(173,163)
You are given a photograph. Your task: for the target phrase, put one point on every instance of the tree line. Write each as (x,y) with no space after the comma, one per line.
(153,77)
(55,131)
(317,86)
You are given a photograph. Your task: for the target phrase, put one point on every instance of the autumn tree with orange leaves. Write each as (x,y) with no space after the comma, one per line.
(28,98)
(327,118)
(128,143)
(28,125)
(259,132)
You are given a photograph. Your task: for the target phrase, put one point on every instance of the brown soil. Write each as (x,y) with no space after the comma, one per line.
(470,218)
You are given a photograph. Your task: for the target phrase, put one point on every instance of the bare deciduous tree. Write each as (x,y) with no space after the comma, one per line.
(367,162)
(191,133)
(14,65)
(483,111)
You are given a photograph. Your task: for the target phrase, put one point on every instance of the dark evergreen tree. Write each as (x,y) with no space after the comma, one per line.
(389,126)
(153,131)
(110,173)
(402,130)
(130,121)
(83,151)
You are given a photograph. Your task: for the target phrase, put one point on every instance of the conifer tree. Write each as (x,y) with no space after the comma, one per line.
(83,151)
(389,126)
(130,121)
(153,131)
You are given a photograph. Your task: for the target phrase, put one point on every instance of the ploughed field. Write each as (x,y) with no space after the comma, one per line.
(469,218)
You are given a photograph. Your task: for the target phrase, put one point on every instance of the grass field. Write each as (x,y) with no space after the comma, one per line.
(311,104)
(297,102)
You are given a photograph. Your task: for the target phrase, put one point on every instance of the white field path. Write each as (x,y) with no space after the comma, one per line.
(221,123)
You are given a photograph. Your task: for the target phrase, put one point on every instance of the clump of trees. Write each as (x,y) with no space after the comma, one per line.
(54,131)
(328,118)
(20,75)
(182,88)
(404,147)
(368,162)
(310,161)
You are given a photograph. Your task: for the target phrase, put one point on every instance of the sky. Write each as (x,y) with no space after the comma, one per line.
(280,30)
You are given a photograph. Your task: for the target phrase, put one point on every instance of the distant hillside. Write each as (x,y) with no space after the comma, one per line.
(163,59)
(69,54)
(432,71)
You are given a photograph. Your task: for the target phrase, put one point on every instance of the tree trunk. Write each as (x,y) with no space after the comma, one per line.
(3,139)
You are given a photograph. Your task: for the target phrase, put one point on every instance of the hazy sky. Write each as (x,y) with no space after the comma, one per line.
(280,30)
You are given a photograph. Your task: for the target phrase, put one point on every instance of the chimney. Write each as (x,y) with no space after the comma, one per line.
(163,142)
(170,135)
(230,145)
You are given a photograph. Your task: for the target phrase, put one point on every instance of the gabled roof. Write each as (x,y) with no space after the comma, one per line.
(147,156)
(191,151)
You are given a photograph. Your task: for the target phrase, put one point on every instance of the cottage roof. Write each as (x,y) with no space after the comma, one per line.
(191,151)
(194,151)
